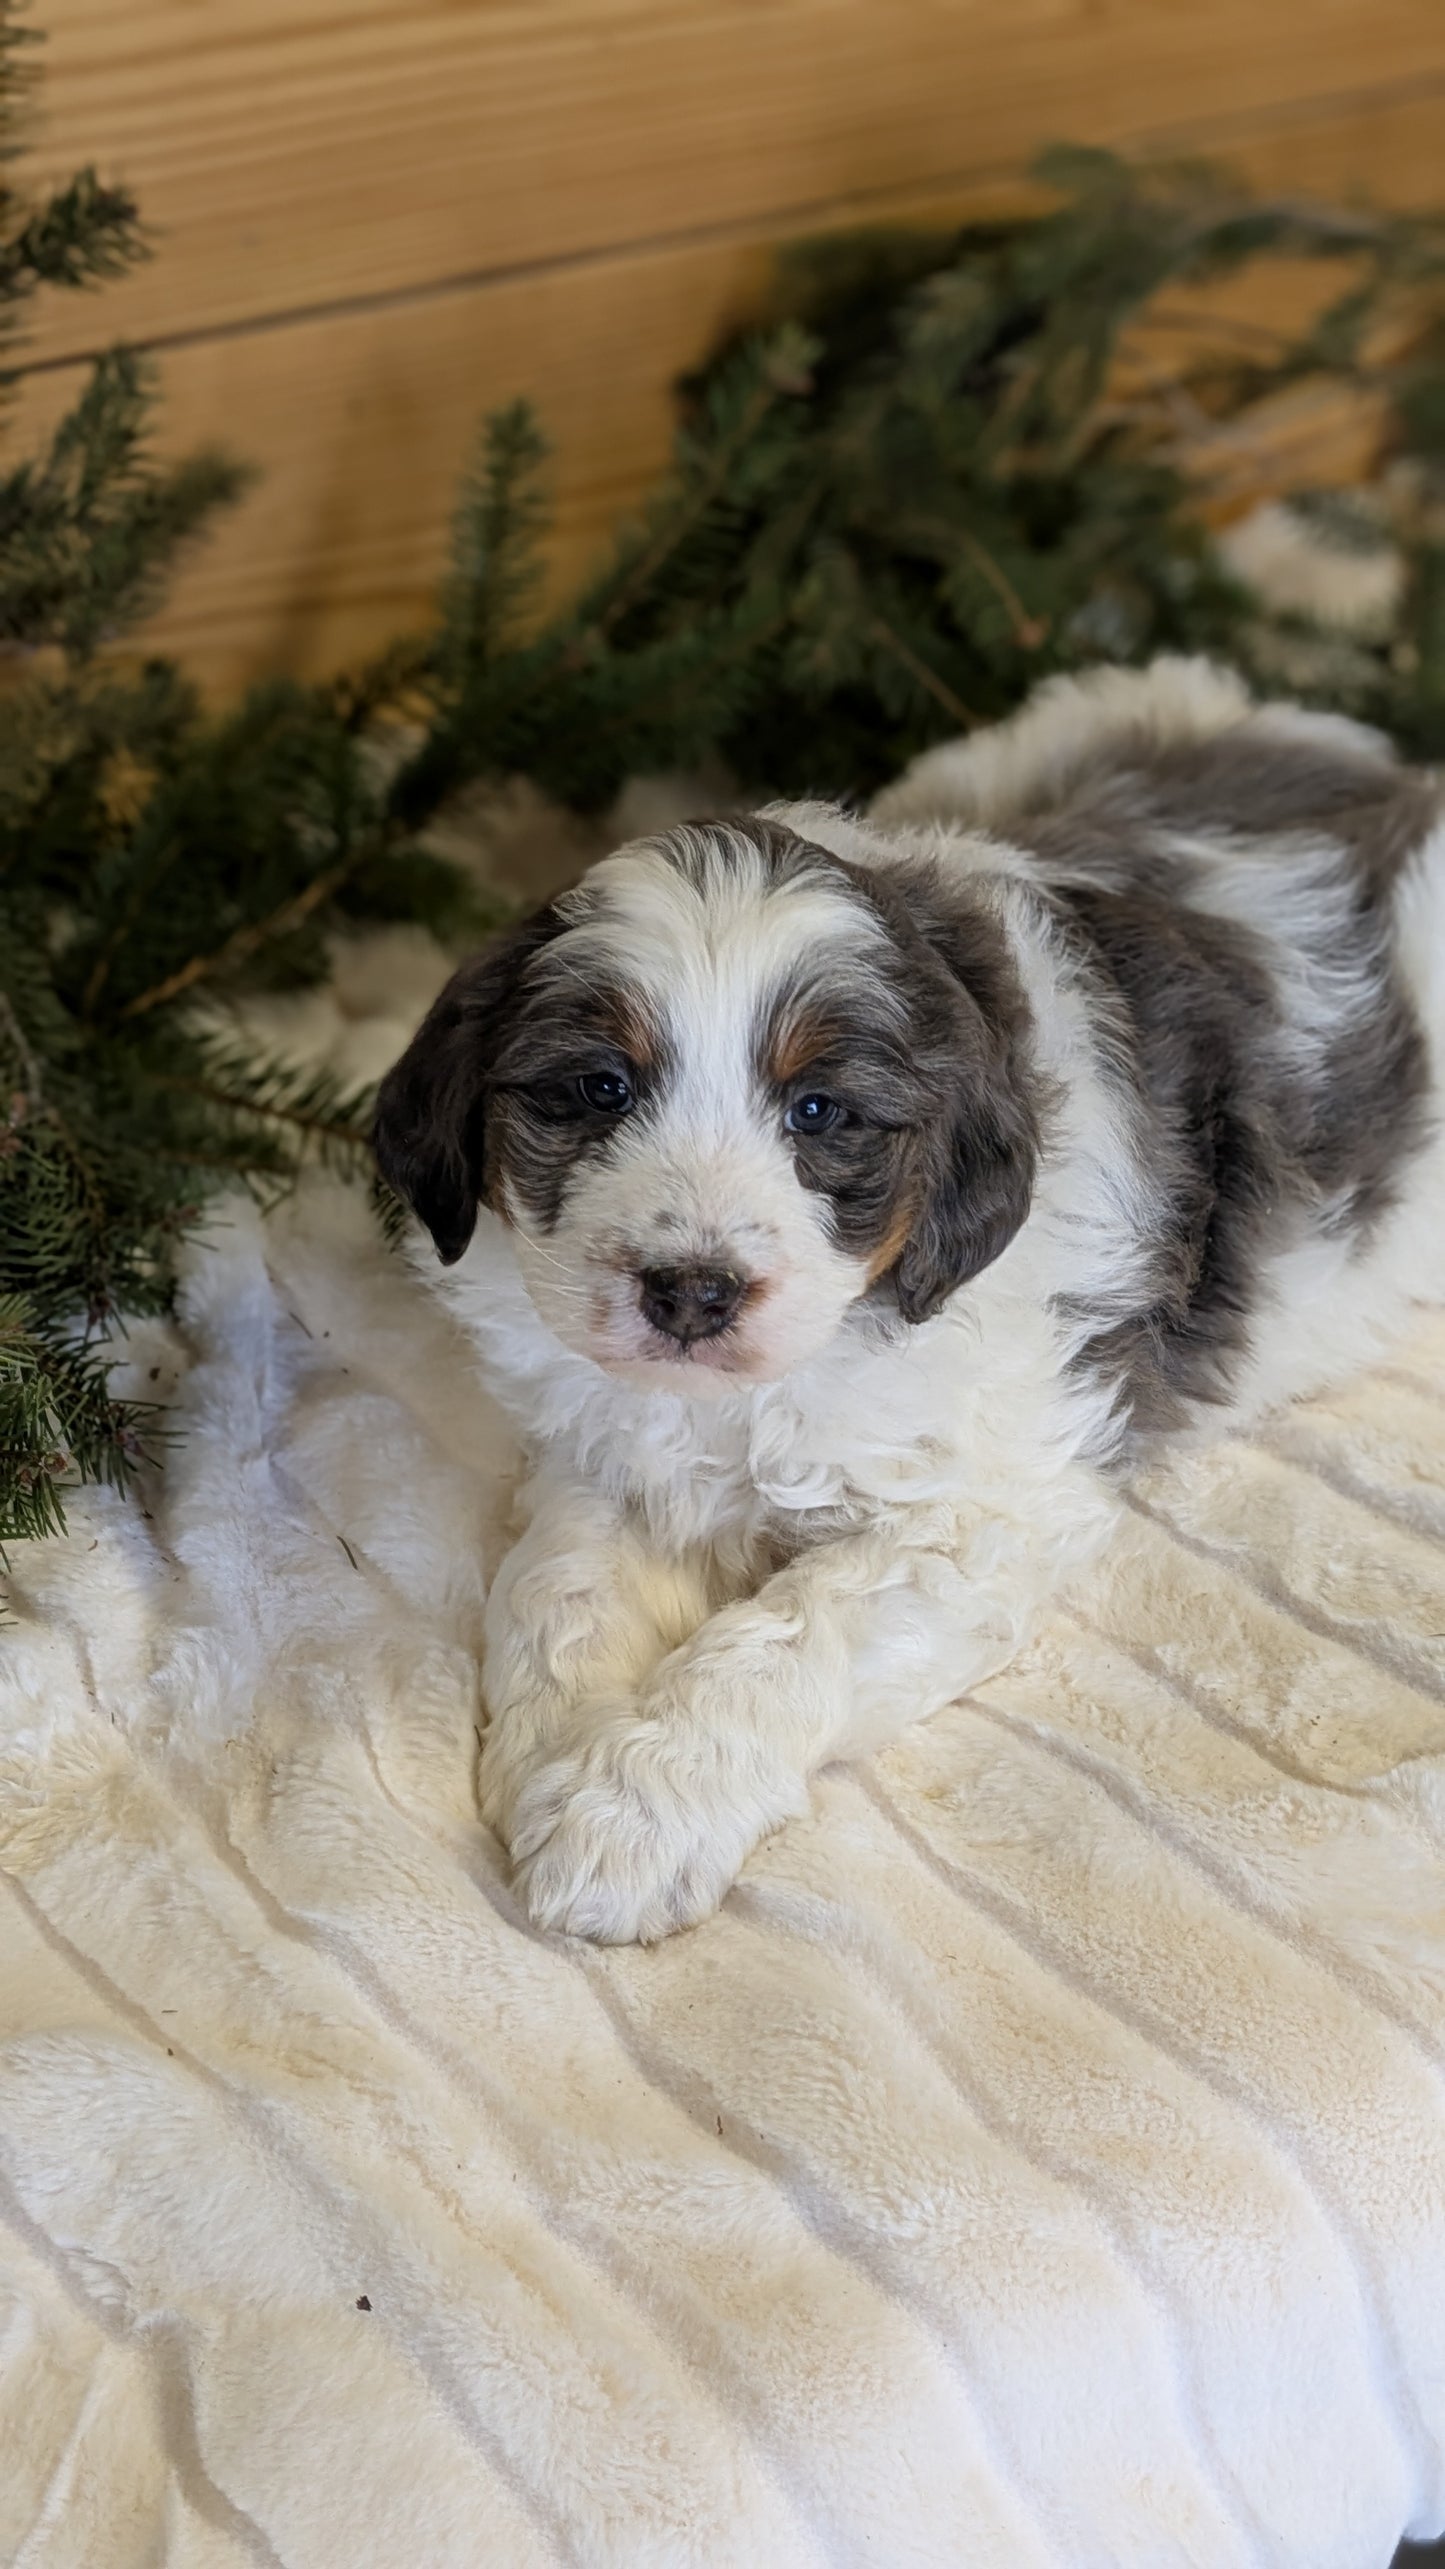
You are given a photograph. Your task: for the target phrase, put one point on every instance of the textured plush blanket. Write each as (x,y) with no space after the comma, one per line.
(1040,2159)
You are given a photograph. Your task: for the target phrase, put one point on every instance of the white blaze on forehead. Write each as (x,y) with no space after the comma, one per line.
(699,936)
(708,932)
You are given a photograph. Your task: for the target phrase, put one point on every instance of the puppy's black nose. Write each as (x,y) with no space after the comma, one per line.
(690,1302)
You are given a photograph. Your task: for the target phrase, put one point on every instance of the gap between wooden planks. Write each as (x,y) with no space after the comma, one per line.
(361,415)
(298,153)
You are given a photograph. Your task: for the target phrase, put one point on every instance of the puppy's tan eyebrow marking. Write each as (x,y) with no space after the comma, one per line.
(797,1036)
(625,1017)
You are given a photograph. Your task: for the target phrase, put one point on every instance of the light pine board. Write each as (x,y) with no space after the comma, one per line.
(374,224)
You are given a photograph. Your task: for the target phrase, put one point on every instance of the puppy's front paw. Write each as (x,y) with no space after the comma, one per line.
(530,1740)
(510,1753)
(619,1839)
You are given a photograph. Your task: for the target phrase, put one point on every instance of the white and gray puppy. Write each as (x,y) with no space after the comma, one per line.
(836,1204)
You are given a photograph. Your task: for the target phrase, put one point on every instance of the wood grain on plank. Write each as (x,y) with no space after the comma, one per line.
(361,425)
(293,154)
(361,421)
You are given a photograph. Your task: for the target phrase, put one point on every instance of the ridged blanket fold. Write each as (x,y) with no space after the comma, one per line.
(1040,2159)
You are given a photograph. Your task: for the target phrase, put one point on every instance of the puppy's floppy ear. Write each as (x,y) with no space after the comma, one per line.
(975,1167)
(429,1132)
(978,1174)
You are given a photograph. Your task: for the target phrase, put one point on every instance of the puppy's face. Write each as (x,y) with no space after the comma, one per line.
(719,1092)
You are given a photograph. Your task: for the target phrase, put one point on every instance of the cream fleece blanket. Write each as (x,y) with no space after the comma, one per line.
(1040,2160)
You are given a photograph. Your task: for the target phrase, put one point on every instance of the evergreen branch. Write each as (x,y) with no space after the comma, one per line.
(58,1422)
(81,235)
(88,532)
(25,1052)
(395,678)
(142,890)
(42,1110)
(1029,630)
(243,943)
(312,1104)
(317,1128)
(498,529)
(706,670)
(953,705)
(234,1168)
(782,369)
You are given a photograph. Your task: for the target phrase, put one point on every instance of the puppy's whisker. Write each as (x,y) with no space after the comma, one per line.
(539,1249)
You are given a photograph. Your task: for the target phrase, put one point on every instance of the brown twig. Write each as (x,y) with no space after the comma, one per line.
(244,942)
(928,678)
(1029,630)
(140,893)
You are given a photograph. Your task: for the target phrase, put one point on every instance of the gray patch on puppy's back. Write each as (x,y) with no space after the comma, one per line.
(1249,1134)
(1261,783)
(1252,785)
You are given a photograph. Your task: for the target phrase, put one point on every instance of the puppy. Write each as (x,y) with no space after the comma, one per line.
(838,1205)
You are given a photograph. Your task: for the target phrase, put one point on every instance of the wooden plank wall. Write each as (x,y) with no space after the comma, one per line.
(376,218)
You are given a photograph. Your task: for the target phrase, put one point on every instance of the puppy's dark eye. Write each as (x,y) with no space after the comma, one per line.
(604,1090)
(813,1115)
